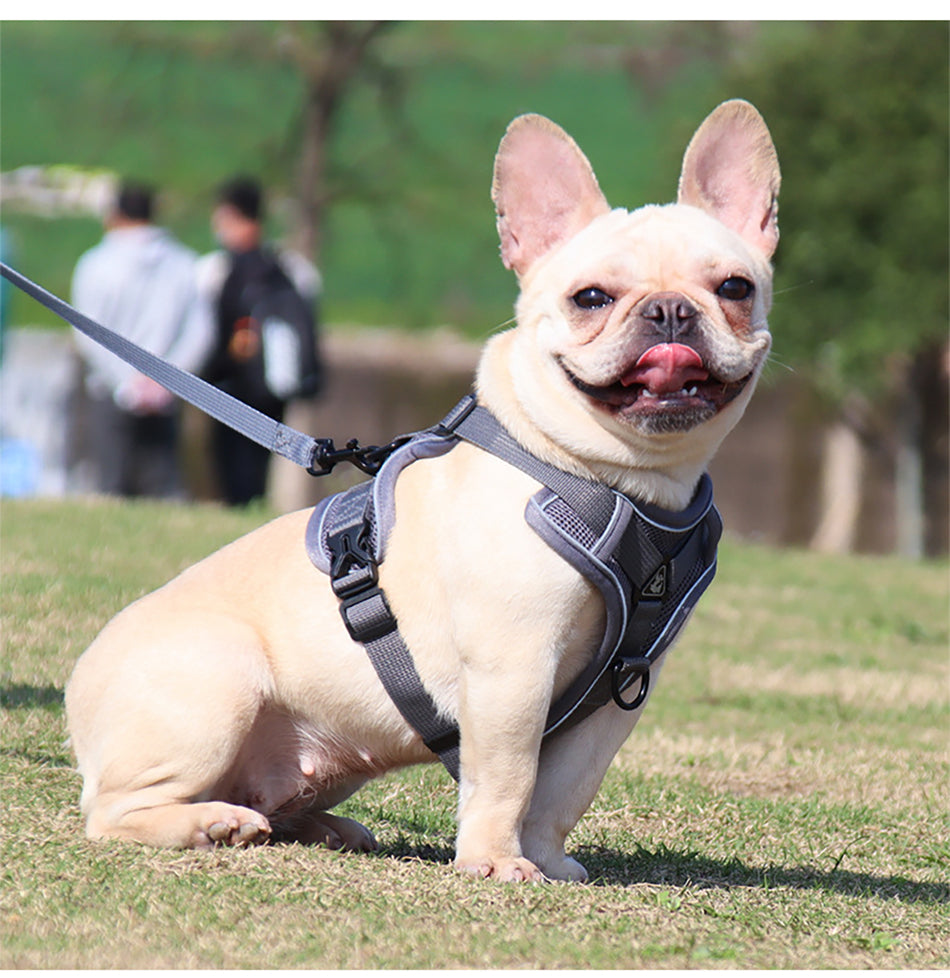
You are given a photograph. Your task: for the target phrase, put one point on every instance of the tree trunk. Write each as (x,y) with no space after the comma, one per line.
(328,73)
(312,191)
(841,483)
(909,466)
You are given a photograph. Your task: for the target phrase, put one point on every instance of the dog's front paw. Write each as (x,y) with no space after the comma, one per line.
(550,857)
(510,870)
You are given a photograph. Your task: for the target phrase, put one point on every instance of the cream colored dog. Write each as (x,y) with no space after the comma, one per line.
(231,704)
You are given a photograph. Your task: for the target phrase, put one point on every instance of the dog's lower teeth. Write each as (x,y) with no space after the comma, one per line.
(682,392)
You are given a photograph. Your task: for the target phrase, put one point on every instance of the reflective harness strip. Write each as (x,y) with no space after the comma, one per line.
(649,564)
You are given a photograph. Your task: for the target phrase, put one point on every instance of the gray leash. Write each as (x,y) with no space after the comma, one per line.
(316,455)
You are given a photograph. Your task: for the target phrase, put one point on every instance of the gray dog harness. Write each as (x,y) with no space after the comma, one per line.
(649,564)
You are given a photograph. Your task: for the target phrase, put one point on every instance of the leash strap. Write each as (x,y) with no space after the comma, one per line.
(271,434)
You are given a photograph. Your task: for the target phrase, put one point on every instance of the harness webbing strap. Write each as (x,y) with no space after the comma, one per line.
(368,618)
(251,423)
(480,427)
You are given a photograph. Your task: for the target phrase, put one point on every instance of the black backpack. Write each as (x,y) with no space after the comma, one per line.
(285,364)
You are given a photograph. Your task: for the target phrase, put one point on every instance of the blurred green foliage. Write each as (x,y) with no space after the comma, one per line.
(859,114)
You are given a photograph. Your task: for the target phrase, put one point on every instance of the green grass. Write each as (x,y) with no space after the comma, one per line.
(783,803)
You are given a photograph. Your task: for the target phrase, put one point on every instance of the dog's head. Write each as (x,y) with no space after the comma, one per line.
(640,334)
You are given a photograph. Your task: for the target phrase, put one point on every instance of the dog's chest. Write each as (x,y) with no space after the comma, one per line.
(649,565)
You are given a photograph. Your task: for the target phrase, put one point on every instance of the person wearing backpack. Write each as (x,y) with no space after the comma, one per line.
(266,352)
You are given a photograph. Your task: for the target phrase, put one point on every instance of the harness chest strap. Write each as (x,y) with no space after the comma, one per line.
(650,566)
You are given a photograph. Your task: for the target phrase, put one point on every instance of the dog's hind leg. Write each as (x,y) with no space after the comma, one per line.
(200,825)
(332,831)
(157,719)
(314,825)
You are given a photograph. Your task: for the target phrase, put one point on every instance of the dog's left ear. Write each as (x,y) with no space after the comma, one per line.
(544,190)
(730,170)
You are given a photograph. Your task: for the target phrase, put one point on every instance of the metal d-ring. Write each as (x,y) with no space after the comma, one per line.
(621,669)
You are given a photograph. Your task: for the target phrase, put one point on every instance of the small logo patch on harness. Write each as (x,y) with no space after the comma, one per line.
(656,586)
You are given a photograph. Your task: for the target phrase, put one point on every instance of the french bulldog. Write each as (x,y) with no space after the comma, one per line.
(231,704)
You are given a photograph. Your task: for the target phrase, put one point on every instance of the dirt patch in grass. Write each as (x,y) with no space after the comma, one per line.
(861,687)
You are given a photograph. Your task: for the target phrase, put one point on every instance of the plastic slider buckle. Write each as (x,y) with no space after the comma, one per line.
(367,615)
(354,577)
(353,568)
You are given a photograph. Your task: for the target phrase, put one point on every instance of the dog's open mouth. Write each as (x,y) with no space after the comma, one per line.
(669,388)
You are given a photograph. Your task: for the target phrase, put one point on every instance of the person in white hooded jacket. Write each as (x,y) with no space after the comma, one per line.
(139,281)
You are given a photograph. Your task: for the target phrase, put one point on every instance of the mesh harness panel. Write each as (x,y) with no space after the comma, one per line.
(649,564)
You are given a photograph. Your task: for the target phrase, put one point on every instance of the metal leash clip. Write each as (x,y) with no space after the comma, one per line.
(369,459)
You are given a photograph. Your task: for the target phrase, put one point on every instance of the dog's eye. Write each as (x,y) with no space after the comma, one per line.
(735,289)
(591,298)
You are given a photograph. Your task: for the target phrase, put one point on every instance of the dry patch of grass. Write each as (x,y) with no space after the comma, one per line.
(771,767)
(907,686)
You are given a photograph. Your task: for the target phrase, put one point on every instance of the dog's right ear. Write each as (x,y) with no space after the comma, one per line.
(731,171)
(544,191)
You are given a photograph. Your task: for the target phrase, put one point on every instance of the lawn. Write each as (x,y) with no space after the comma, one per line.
(783,804)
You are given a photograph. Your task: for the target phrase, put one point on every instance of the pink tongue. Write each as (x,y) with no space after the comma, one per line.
(665,368)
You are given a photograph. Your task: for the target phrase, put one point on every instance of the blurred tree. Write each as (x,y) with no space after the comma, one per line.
(329,59)
(859,114)
(328,56)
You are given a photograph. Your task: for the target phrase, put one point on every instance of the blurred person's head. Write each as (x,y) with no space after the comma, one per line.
(236,220)
(134,205)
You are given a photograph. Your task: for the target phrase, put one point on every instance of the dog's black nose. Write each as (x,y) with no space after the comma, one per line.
(671,313)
